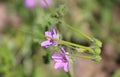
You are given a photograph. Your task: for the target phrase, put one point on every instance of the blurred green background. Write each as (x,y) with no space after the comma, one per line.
(22,56)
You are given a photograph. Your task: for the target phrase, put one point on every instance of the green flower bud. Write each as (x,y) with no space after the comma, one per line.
(96,50)
(97,58)
(97,42)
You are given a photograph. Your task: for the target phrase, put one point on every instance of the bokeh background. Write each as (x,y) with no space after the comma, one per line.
(22,56)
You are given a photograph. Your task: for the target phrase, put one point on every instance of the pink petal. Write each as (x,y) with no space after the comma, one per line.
(29,3)
(57,57)
(54,34)
(58,65)
(62,50)
(46,43)
(66,67)
(48,34)
(67,57)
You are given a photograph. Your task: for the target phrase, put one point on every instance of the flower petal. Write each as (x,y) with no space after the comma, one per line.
(58,65)
(67,57)
(29,3)
(62,50)
(53,32)
(48,34)
(66,67)
(46,43)
(57,57)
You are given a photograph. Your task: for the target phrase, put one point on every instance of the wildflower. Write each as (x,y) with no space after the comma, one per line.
(49,41)
(29,3)
(33,3)
(62,60)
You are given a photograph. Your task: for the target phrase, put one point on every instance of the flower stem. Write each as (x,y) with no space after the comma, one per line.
(75,45)
(86,36)
(72,44)
(80,56)
(68,73)
(63,42)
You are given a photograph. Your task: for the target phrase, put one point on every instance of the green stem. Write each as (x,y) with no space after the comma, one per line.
(76,45)
(68,73)
(80,56)
(73,44)
(64,42)
(86,36)
(69,43)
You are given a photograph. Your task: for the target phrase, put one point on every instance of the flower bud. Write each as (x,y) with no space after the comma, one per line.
(96,50)
(97,42)
(97,58)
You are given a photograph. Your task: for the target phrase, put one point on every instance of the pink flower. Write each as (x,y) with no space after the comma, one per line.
(30,3)
(62,60)
(33,3)
(49,41)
